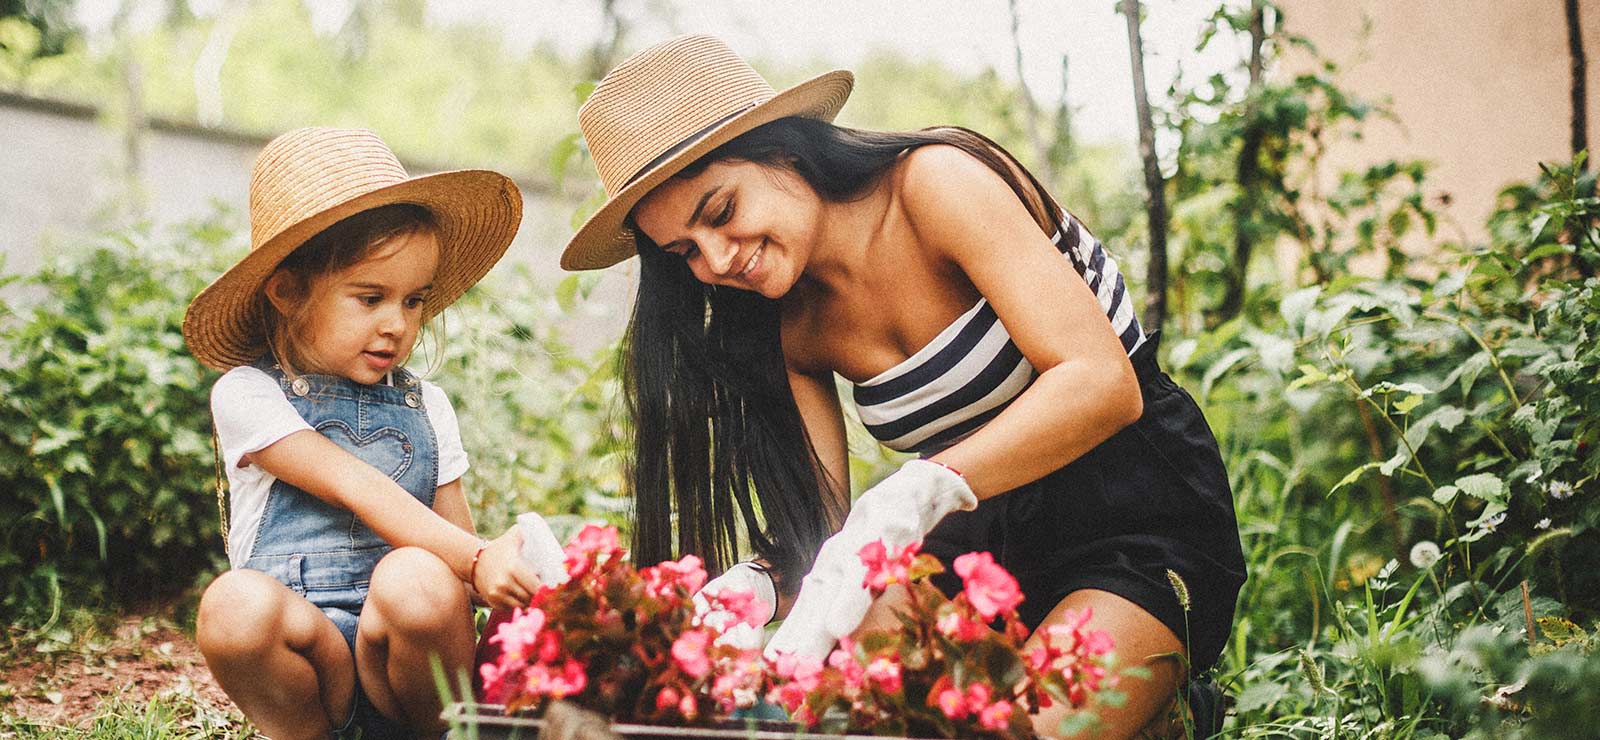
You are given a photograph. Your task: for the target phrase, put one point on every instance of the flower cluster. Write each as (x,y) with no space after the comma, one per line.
(947,671)
(621,641)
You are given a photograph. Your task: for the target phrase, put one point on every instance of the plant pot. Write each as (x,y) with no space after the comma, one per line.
(566,722)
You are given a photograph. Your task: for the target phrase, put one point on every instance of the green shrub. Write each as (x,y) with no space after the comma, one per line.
(105,467)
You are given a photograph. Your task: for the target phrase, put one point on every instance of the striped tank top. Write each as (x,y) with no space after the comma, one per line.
(972,370)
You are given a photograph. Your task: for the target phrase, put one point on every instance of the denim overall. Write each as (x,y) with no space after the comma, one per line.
(321,551)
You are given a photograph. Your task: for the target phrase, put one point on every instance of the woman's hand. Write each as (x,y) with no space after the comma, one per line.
(501,576)
(900,510)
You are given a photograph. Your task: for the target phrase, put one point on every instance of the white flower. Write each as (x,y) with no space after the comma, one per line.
(1559,490)
(1543,523)
(1424,554)
(1493,523)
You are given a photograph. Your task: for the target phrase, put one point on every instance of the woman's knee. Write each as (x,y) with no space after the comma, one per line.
(242,614)
(413,591)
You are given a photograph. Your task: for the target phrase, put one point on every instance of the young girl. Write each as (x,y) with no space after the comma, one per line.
(351,544)
(982,328)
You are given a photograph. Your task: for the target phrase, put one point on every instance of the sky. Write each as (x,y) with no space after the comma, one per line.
(968,35)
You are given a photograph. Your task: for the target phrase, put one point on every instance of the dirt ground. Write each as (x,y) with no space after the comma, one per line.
(63,683)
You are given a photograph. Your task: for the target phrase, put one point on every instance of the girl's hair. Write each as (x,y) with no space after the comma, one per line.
(717,434)
(345,243)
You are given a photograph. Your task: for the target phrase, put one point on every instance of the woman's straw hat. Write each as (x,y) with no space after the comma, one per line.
(665,107)
(309,179)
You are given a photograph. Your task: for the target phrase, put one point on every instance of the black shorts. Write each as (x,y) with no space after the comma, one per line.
(1153,497)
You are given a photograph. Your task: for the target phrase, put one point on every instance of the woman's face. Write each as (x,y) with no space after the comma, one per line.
(737,223)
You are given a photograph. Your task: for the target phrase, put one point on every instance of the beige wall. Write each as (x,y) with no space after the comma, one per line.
(1481,88)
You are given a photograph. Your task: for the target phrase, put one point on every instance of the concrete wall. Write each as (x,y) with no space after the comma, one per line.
(1481,88)
(62,176)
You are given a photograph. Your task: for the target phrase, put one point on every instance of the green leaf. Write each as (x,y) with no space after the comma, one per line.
(567,292)
(1483,486)
(1445,494)
(1353,475)
(1405,405)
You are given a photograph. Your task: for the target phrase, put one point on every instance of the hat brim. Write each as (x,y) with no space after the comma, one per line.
(477,213)
(603,240)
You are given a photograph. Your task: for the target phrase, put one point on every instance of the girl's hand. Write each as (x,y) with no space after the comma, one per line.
(502,578)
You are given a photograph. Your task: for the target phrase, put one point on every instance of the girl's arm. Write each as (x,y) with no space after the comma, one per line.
(450,502)
(962,211)
(315,464)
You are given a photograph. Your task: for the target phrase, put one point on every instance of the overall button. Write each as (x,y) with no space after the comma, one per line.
(300,386)
(413,400)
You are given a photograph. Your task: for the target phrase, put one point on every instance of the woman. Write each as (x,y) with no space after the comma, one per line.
(981,327)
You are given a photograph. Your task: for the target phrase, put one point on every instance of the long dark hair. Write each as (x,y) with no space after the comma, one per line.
(719,444)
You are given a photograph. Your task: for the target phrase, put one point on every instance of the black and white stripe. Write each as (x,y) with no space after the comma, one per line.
(972,370)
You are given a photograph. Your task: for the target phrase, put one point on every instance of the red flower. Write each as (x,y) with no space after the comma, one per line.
(883,569)
(990,589)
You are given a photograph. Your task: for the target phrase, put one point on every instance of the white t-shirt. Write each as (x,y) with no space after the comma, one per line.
(251,413)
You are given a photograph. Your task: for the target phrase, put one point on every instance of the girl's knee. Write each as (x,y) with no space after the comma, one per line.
(241,613)
(413,591)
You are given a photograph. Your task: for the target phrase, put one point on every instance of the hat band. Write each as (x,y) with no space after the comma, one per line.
(687,142)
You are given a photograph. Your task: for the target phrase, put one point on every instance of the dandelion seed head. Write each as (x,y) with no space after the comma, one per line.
(1425,554)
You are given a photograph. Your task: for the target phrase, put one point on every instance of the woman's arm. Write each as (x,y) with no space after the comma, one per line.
(818,400)
(961,210)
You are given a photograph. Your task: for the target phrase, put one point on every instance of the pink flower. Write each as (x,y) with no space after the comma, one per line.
(952,703)
(494,676)
(689,652)
(954,625)
(594,539)
(883,569)
(990,589)
(745,607)
(662,580)
(884,670)
(996,716)
(687,707)
(667,699)
(977,695)
(844,661)
(541,680)
(518,634)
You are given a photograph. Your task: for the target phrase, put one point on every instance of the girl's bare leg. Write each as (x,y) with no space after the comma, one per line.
(416,608)
(277,655)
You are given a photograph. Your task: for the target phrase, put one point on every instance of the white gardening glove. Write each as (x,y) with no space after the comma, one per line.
(900,510)
(541,550)
(747,577)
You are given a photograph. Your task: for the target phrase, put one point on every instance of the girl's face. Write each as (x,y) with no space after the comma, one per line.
(740,224)
(362,321)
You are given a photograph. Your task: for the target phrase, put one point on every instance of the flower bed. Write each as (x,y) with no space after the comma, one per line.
(629,645)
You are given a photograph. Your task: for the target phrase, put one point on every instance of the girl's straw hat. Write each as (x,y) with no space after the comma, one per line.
(665,107)
(309,179)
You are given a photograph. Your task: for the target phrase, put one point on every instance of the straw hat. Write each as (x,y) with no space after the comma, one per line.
(662,109)
(309,179)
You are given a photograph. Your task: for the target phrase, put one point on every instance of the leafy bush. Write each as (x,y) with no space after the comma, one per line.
(1447,423)
(105,469)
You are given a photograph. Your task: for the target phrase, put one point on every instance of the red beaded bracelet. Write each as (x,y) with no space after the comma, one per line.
(472,572)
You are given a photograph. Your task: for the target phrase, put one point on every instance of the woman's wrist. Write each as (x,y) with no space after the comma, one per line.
(472,567)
